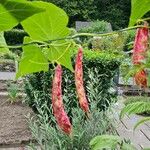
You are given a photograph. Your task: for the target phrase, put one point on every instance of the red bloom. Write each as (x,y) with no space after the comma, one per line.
(139,52)
(57,102)
(79,82)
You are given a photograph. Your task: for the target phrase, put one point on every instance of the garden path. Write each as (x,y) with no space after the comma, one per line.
(125,128)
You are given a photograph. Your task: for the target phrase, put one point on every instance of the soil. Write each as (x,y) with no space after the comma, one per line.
(7,67)
(13,123)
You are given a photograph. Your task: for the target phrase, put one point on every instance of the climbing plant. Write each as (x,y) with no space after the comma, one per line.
(49,38)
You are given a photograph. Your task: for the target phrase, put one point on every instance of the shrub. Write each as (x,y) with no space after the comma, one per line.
(130,40)
(99,70)
(97,27)
(15,37)
(49,137)
(113,44)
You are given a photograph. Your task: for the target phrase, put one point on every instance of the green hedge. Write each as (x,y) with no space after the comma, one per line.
(15,37)
(99,70)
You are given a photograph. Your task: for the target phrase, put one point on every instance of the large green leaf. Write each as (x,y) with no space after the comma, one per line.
(51,25)
(3,45)
(133,108)
(14,11)
(139,8)
(48,25)
(59,52)
(105,142)
(33,60)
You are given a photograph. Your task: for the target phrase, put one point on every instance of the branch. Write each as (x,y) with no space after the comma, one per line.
(47,43)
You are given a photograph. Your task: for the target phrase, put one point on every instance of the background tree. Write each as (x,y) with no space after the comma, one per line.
(116,12)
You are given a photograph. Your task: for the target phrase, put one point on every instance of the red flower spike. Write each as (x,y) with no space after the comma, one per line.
(79,82)
(57,102)
(139,52)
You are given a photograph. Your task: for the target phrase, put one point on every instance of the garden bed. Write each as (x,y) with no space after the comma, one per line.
(7,66)
(13,123)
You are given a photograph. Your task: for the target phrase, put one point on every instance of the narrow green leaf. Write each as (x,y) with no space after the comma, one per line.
(141,122)
(33,60)
(3,44)
(139,8)
(48,25)
(14,11)
(127,146)
(105,141)
(60,52)
(133,108)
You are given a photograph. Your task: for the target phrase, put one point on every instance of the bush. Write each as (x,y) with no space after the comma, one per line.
(51,137)
(130,40)
(97,27)
(99,70)
(15,37)
(113,44)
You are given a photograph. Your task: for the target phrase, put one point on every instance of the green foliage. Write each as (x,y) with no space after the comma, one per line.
(12,90)
(99,69)
(33,60)
(52,138)
(13,12)
(3,43)
(141,122)
(46,28)
(77,10)
(109,142)
(104,141)
(133,99)
(48,25)
(97,27)
(115,12)
(113,44)
(139,9)
(130,40)
(15,37)
(133,108)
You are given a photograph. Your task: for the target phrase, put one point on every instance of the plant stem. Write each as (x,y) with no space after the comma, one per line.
(107,34)
(46,43)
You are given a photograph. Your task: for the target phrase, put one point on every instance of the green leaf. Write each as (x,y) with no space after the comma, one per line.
(127,146)
(59,52)
(133,108)
(3,44)
(48,25)
(13,12)
(139,8)
(105,141)
(141,122)
(33,60)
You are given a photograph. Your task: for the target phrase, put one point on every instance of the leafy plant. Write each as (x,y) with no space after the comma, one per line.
(98,82)
(97,27)
(13,12)
(51,138)
(138,10)
(110,142)
(136,107)
(12,92)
